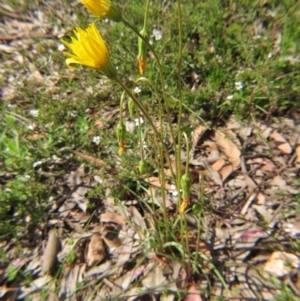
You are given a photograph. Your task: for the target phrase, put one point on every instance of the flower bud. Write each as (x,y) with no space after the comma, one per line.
(131,107)
(143,167)
(121,131)
(186,184)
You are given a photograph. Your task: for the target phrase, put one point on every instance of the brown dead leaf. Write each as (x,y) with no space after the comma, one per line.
(154,276)
(211,173)
(96,251)
(264,130)
(193,294)
(35,285)
(283,146)
(266,163)
(124,252)
(6,48)
(261,199)
(155,182)
(197,134)
(88,158)
(229,148)
(112,217)
(35,136)
(218,164)
(35,78)
(99,124)
(281,263)
(226,171)
(50,252)
(250,183)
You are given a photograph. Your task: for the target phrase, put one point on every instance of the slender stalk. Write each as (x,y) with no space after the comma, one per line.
(141,107)
(178,153)
(146,13)
(148,117)
(159,136)
(144,79)
(187,152)
(183,223)
(179,67)
(126,23)
(121,107)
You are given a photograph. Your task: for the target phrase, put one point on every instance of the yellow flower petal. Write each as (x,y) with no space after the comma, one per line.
(103,9)
(98,7)
(89,49)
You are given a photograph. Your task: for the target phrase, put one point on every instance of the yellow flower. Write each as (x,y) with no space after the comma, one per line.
(89,49)
(103,9)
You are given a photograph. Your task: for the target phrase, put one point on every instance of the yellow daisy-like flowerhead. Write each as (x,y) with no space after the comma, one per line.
(103,9)
(89,49)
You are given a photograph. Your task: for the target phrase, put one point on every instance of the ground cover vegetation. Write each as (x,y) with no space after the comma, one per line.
(165,165)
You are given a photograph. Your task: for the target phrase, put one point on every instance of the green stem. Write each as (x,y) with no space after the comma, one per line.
(146,14)
(121,107)
(179,67)
(187,153)
(143,79)
(141,107)
(126,23)
(184,225)
(162,148)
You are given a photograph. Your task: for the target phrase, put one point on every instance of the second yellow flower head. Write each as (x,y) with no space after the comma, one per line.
(103,9)
(89,49)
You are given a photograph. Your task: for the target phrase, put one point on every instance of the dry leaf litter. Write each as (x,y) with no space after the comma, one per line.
(249,174)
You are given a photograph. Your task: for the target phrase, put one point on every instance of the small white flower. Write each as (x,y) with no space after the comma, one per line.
(239,86)
(34,113)
(175,193)
(137,90)
(37,163)
(73,114)
(229,97)
(218,58)
(28,218)
(138,121)
(130,126)
(31,126)
(61,47)
(270,55)
(157,34)
(96,140)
